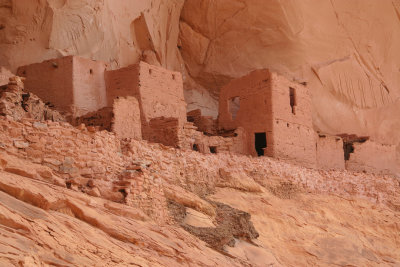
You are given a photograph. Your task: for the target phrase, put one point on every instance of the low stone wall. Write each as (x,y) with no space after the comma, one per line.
(330,154)
(88,160)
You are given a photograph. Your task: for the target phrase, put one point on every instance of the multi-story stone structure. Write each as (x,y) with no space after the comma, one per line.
(274,113)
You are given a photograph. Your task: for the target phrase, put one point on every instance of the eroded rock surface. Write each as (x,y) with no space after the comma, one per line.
(92,199)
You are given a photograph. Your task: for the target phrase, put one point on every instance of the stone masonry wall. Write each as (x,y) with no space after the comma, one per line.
(159,92)
(87,160)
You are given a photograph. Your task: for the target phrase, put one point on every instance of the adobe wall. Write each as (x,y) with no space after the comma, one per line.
(123,118)
(88,85)
(255,112)
(373,157)
(73,85)
(293,134)
(330,154)
(161,93)
(204,124)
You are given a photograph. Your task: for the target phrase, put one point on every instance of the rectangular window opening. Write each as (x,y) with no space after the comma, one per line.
(292,95)
(213,149)
(195,147)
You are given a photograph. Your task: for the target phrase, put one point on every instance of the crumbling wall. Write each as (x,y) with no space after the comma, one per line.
(101,119)
(123,118)
(330,154)
(373,157)
(18,104)
(89,161)
(204,124)
(159,92)
(253,96)
(73,85)
(191,139)
(5,75)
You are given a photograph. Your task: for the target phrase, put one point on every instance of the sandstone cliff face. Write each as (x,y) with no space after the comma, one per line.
(116,31)
(346,51)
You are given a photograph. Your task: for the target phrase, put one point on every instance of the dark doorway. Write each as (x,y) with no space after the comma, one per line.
(348,148)
(195,147)
(260,143)
(213,149)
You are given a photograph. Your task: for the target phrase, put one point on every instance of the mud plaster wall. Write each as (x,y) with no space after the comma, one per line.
(126,121)
(51,80)
(255,111)
(161,93)
(88,85)
(73,85)
(293,133)
(122,82)
(330,154)
(374,158)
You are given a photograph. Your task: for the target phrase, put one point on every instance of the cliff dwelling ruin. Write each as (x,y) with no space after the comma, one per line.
(260,114)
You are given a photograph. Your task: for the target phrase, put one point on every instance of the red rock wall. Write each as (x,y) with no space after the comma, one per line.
(330,154)
(73,85)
